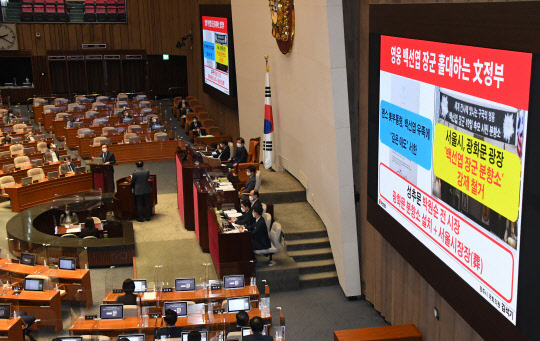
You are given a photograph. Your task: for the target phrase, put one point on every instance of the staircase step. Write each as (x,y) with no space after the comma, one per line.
(310,255)
(316,266)
(318,279)
(306,235)
(305,244)
(284,197)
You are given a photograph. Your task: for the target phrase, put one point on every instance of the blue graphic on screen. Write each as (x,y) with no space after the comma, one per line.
(209,51)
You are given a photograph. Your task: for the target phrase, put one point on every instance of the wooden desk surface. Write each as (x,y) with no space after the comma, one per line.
(13,329)
(22,173)
(36,296)
(406,332)
(6,325)
(23,197)
(116,327)
(198,295)
(146,151)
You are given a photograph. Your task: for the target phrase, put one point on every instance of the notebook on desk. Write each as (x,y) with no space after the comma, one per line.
(97,160)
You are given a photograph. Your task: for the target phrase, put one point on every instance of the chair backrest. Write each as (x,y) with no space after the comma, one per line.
(140,97)
(38,101)
(122,97)
(109,131)
(91,113)
(194,103)
(162,136)
(49,108)
(203,115)
(207,122)
(189,117)
(90,237)
(7,181)
(22,161)
(69,235)
(98,141)
(232,149)
(95,338)
(146,111)
(257,180)
(19,127)
(198,109)
(122,104)
(254,150)
(264,207)
(41,147)
(16,149)
(268,220)
(213,131)
(275,236)
(47,284)
(134,128)
(194,308)
(102,99)
(60,100)
(36,174)
(84,132)
(127,136)
(144,104)
(130,311)
(234,336)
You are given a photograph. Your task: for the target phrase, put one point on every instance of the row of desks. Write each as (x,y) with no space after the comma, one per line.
(71,134)
(146,151)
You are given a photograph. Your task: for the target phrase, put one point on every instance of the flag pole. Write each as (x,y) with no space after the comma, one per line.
(268,141)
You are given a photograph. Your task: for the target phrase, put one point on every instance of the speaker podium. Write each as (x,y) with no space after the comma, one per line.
(103,177)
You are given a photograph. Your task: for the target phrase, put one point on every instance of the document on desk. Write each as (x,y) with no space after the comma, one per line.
(234,215)
(74,229)
(149,296)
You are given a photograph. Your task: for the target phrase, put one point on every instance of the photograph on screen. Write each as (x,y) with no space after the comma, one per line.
(451,156)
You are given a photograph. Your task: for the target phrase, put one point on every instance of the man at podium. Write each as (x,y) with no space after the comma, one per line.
(107,156)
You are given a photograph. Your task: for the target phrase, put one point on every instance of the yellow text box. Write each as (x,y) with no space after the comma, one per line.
(222,54)
(489,174)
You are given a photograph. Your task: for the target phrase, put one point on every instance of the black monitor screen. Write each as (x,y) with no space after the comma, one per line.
(203,336)
(233,282)
(111,311)
(5,311)
(132,337)
(28,258)
(67,264)
(184,284)
(179,307)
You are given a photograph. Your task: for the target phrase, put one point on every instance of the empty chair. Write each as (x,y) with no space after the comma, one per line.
(234,336)
(144,104)
(39,11)
(121,10)
(60,100)
(203,115)
(100,140)
(207,123)
(109,131)
(161,136)
(81,99)
(63,116)
(98,121)
(98,105)
(84,132)
(122,97)
(140,97)
(102,99)
(27,11)
(7,181)
(118,111)
(258,181)
(89,10)
(275,242)
(72,107)
(50,10)
(91,113)
(268,220)
(128,135)
(19,128)
(122,104)
(16,149)
(194,102)
(61,11)
(134,128)
(38,101)
(198,109)
(36,174)
(101,10)
(47,283)
(111,14)
(49,109)
(215,131)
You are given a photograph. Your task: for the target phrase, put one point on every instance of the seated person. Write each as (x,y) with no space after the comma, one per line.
(242,320)
(215,149)
(68,166)
(247,217)
(182,104)
(154,123)
(89,229)
(257,326)
(250,184)
(259,231)
(68,218)
(254,199)
(51,155)
(196,128)
(29,137)
(128,298)
(185,109)
(126,116)
(241,154)
(194,336)
(225,151)
(170,330)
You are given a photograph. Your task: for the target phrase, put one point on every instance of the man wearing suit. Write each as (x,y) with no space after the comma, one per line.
(128,298)
(247,217)
(107,156)
(259,231)
(250,184)
(242,321)
(170,330)
(142,190)
(257,326)
(254,198)
(225,151)
(51,155)
(241,154)
(68,167)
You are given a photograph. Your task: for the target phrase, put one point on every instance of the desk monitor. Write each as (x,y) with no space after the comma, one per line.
(67,264)
(184,284)
(133,139)
(132,337)
(78,124)
(233,282)
(28,150)
(162,138)
(5,155)
(5,311)
(180,307)
(28,259)
(111,311)
(26,181)
(33,284)
(106,141)
(140,285)
(136,129)
(39,137)
(52,175)
(97,160)
(236,304)
(79,170)
(204,336)
(37,162)
(8,168)
(16,139)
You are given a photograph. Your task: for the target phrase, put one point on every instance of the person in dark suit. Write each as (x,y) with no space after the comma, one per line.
(250,184)
(106,155)
(254,199)
(196,128)
(68,166)
(257,326)
(128,298)
(89,229)
(247,217)
(170,330)
(259,231)
(140,179)
(241,154)
(194,336)
(225,151)
(242,320)
(51,155)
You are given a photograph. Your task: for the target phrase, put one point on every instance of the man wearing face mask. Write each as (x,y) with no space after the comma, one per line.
(259,232)
(247,217)
(225,151)
(52,155)
(254,198)
(250,184)
(107,156)
(196,127)
(241,154)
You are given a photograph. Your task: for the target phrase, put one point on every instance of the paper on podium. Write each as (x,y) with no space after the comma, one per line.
(234,215)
